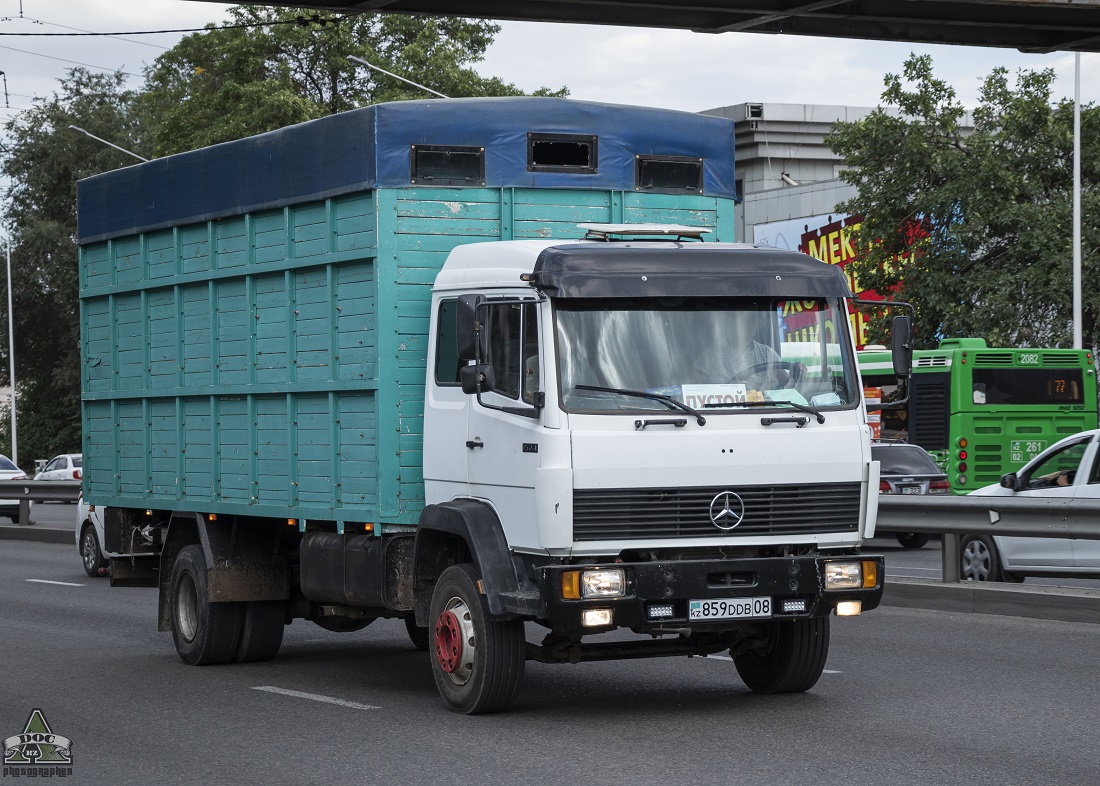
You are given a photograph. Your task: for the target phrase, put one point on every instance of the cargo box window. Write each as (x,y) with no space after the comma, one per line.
(451,166)
(562,153)
(447,363)
(668,174)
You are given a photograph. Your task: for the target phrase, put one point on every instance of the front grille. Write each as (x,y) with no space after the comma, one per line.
(804,509)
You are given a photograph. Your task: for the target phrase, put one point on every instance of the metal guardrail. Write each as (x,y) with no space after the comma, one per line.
(1035,517)
(28,491)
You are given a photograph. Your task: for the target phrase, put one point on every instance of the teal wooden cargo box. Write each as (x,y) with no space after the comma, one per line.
(254,315)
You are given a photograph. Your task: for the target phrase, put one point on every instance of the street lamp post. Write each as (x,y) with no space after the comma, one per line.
(11,364)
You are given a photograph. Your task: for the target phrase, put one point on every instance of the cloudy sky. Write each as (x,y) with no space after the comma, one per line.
(673,69)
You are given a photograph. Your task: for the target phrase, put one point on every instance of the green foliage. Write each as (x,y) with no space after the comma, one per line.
(220,85)
(993,254)
(212,87)
(43,158)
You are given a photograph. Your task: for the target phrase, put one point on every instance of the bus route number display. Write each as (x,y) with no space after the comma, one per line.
(1022,450)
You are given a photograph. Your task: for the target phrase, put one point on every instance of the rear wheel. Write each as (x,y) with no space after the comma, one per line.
(205,633)
(95,564)
(791,658)
(477,661)
(262,629)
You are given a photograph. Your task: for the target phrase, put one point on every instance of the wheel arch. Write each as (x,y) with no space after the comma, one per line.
(458,531)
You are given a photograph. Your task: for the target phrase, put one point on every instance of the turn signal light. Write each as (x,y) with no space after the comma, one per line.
(870,573)
(571,585)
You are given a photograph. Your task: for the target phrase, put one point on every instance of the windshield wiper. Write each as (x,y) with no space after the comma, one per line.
(802,407)
(669,400)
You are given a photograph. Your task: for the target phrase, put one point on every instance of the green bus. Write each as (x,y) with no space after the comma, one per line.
(983,411)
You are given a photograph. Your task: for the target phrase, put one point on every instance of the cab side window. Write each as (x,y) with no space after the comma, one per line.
(447,363)
(513,349)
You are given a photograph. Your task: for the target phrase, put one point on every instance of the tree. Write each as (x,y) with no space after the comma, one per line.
(290,65)
(42,159)
(974,228)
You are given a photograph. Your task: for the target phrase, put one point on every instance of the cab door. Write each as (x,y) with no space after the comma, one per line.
(504,428)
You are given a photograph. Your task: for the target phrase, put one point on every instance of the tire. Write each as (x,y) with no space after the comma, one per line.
(912,540)
(791,660)
(205,633)
(343,624)
(477,661)
(262,626)
(420,637)
(979,560)
(95,564)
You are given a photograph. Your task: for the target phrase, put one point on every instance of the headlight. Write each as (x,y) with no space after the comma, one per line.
(843,575)
(603,583)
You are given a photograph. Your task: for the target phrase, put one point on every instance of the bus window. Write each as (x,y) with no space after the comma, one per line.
(1015,386)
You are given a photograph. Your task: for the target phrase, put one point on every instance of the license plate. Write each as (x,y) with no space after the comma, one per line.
(729,609)
(909,489)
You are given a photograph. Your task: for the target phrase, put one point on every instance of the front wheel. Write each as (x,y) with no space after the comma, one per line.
(789,660)
(95,564)
(477,661)
(205,633)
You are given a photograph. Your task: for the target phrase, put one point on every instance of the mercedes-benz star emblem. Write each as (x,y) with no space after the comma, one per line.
(726,510)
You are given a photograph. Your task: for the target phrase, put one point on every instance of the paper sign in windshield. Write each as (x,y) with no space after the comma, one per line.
(699,396)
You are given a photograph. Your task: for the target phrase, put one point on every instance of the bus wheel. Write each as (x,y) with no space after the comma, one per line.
(477,661)
(205,633)
(791,658)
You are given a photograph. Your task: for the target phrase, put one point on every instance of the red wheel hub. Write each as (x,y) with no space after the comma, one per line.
(448,642)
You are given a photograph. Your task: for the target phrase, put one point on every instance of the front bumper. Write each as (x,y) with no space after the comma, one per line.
(674,583)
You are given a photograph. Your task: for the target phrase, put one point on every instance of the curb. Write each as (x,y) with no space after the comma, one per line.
(1067,604)
(38,534)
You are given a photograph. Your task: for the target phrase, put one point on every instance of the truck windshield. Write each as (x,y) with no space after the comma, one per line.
(708,353)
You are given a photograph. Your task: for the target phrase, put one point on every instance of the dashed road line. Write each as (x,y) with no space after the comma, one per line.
(354,705)
(58,583)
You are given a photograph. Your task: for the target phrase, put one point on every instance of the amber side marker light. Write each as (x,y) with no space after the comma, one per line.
(571,585)
(870,573)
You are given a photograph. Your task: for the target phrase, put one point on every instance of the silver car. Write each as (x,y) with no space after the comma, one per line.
(89,538)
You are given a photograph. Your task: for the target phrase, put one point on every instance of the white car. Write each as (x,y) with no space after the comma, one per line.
(67,466)
(1068,468)
(8,471)
(89,538)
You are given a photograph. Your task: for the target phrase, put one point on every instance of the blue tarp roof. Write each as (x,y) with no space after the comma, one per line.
(369,148)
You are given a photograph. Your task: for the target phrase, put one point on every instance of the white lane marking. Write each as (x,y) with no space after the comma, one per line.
(899,572)
(58,583)
(316,697)
(727,657)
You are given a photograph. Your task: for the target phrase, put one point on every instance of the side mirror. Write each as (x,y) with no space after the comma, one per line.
(467,326)
(475,377)
(901,335)
(1009,480)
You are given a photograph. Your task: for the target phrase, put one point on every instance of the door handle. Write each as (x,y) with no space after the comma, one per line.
(474,443)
